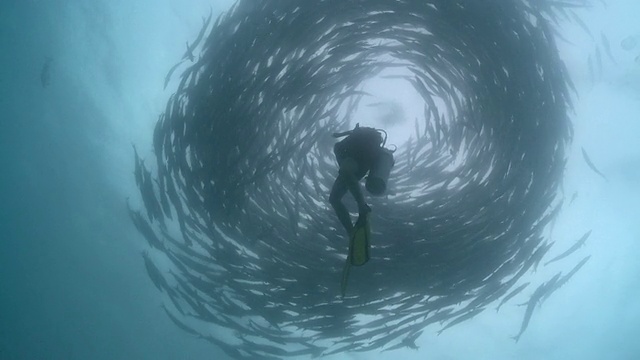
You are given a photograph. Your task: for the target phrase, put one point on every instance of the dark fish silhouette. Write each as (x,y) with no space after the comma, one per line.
(607,47)
(513,293)
(590,163)
(171,71)
(45,72)
(189,52)
(573,248)
(535,299)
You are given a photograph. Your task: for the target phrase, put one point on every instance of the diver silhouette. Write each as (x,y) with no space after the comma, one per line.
(361,152)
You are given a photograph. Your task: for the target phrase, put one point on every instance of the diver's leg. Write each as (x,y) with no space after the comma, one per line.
(338,190)
(348,171)
(356,191)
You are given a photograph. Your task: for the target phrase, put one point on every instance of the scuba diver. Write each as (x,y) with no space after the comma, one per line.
(361,152)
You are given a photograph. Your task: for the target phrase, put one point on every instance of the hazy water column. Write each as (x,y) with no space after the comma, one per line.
(72,284)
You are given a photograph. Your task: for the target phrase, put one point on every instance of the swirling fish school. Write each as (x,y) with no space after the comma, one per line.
(245,143)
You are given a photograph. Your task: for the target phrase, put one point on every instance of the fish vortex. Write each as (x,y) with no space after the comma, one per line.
(244,167)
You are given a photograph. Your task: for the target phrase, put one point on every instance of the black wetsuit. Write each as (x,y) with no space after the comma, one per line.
(362,145)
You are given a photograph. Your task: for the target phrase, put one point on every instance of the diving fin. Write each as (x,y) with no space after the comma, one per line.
(358,249)
(359,242)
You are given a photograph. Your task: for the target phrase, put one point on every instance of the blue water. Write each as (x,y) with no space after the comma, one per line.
(72,281)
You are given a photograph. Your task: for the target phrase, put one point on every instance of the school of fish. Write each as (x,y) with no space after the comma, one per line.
(243,241)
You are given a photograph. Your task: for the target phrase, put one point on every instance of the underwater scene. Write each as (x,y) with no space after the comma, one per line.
(356,179)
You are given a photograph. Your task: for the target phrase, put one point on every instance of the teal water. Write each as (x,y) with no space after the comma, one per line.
(72,281)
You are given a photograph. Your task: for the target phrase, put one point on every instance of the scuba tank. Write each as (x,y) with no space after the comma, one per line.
(379,174)
(382,159)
